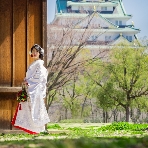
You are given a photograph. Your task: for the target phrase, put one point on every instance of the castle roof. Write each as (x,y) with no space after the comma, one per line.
(119,39)
(117,13)
(97,16)
(82,15)
(83,3)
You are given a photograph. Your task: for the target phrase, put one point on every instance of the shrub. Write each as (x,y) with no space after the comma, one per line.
(124,126)
(53,126)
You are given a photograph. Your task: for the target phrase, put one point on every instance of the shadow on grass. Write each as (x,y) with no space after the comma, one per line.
(96,142)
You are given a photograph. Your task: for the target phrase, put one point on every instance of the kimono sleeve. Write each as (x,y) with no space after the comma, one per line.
(38,78)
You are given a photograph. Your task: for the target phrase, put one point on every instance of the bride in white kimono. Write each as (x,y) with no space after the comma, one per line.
(31,116)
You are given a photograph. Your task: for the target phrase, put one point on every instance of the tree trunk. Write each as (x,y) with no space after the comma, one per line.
(83,106)
(115,115)
(132,114)
(104,121)
(66,113)
(92,113)
(127,109)
(50,99)
(106,118)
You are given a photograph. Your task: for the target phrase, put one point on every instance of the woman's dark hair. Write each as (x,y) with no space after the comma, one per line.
(39,49)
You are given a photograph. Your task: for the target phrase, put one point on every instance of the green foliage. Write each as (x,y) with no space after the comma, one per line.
(53,126)
(141,103)
(129,67)
(124,126)
(75,128)
(120,80)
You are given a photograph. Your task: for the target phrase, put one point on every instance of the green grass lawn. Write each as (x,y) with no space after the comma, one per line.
(81,135)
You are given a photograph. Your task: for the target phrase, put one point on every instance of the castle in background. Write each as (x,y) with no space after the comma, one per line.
(108,21)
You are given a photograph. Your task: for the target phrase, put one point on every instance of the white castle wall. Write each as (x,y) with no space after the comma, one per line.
(113,20)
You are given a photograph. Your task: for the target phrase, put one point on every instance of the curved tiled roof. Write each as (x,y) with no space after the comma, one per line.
(95,12)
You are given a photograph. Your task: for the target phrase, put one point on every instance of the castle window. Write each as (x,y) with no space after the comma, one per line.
(118,23)
(103,8)
(129,38)
(94,38)
(107,38)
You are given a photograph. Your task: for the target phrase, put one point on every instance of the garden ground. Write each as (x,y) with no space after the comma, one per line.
(80,135)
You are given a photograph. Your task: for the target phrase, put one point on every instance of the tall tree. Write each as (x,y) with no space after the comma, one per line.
(123,79)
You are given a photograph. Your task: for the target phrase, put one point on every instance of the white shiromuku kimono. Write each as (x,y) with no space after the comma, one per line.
(31,116)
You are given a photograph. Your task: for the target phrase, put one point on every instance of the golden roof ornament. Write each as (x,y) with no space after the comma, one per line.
(133,23)
(94,8)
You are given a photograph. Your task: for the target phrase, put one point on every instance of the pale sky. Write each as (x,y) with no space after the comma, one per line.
(138,9)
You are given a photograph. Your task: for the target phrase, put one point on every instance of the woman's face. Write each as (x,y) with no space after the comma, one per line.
(35,53)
